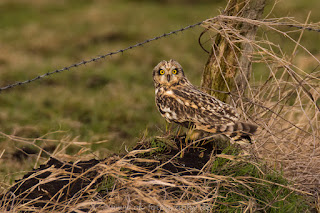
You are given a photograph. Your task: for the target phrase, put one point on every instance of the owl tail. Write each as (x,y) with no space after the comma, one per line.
(238,132)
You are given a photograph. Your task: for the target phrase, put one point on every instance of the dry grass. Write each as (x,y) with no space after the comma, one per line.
(285,105)
(151,179)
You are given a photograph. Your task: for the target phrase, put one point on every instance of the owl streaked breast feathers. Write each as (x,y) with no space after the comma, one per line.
(180,102)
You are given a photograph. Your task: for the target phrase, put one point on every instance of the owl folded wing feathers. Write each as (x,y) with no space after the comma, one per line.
(192,107)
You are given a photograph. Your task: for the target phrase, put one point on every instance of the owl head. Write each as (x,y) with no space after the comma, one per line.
(167,73)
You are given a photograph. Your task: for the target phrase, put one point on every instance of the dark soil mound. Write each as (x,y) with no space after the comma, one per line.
(58,182)
(36,185)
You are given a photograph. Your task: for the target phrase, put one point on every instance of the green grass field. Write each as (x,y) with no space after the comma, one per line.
(111,99)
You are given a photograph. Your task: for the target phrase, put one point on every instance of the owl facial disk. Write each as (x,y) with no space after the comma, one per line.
(167,73)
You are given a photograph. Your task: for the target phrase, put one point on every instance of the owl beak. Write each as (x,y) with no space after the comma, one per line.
(168,78)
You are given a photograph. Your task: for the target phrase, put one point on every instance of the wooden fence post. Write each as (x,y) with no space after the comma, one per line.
(226,68)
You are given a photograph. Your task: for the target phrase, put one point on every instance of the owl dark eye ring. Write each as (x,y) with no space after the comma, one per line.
(175,71)
(161,72)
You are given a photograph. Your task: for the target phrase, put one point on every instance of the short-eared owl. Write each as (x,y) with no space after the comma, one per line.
(180,102)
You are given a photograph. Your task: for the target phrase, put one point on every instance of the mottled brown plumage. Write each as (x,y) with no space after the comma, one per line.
(180,102)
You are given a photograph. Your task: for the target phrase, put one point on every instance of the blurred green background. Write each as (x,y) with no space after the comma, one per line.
(112,99)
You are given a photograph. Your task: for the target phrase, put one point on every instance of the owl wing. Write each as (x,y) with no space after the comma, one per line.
(188,105)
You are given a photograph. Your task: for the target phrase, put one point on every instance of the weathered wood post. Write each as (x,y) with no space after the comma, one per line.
(228,68)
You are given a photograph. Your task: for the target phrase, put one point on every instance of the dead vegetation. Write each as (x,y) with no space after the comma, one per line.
(285,104)
(153,177)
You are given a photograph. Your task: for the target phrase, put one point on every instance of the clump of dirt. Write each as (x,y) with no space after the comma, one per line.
(50,182)
(178,156)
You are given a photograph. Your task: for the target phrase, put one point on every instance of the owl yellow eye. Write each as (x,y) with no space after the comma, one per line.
(174,71)
(161,72)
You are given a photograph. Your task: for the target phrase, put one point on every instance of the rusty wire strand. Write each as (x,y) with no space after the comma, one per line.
(97,58)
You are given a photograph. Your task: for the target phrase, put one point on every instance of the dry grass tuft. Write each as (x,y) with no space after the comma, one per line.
(284,99)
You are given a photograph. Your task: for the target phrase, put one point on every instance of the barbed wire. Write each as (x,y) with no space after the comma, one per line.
(296,26)
(95,59)
(19,83)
